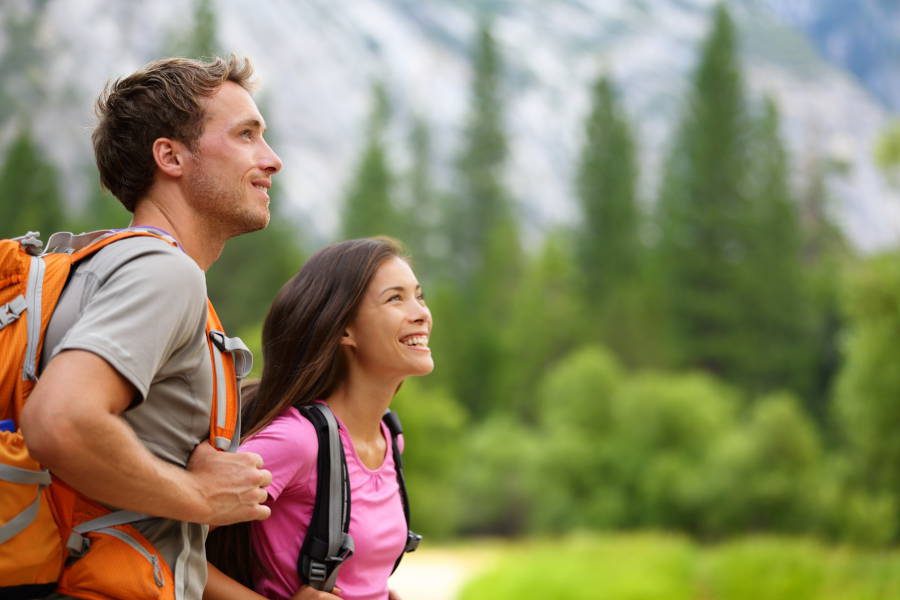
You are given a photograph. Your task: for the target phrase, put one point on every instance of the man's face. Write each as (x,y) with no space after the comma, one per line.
(230,172)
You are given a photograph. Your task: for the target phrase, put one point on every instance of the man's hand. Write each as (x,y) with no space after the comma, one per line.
(232,484)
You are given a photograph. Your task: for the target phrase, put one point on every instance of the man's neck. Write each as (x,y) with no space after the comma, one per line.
(181,223)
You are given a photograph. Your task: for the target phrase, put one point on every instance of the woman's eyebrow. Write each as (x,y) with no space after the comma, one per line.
(396,288)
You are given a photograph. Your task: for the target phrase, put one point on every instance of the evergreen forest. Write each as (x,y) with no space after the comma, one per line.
(713,361)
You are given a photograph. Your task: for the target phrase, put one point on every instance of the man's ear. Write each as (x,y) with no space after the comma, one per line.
(169,156)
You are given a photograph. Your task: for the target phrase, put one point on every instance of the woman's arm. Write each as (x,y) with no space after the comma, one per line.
(220,586)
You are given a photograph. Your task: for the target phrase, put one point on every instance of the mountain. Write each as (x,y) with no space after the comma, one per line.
(316,61)
(862,37)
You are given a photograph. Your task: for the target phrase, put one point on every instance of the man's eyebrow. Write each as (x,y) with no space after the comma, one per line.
(254,123)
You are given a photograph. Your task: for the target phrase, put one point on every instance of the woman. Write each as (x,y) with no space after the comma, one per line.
(346,330)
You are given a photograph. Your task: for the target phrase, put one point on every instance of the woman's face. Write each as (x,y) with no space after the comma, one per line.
(389,335)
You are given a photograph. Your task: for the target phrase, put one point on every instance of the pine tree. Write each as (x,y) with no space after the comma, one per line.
(199,40)
(702,208)
(21,59)
(729,247)
(252,268)
(101,210)
(420,219)
(368,207)
(484,257)
(545,322)
(608,246)
(29,192)
(482,206)
(778,321)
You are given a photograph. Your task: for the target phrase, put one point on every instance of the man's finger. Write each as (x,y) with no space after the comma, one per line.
(255,459)
(266,478)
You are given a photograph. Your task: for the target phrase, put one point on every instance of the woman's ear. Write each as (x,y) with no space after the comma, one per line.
(347,338)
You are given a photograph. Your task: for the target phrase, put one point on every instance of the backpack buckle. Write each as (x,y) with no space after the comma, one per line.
(413,540)
(12,310)
(78,544)
(31,243)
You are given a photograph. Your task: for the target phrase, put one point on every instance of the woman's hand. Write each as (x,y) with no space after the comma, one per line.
(307,593)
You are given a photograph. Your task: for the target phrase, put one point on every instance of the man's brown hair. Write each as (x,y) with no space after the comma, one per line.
(160,100)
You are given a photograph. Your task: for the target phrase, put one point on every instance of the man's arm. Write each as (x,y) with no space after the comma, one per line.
(72,426)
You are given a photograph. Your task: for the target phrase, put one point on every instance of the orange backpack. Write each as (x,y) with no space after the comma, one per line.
(51,537)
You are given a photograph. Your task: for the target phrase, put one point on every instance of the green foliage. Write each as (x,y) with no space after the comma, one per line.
(633,568)
(767,474)
(729,251)
(577,472)
(543,325)
(702,206)
(887,153)
(657,567)
(609,250)
(869,383)
(496,477)
(29,192)
(252,268)
(433,424)
(368,207)
(102,210)
(22,59)
(485,254)
(199,40)
(418,214)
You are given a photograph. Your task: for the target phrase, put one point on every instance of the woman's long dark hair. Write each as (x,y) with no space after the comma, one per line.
(302,360)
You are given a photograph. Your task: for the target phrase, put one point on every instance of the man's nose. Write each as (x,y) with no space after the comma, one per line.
(271,162)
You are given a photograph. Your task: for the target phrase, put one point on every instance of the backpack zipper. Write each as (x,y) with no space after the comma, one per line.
(151,558)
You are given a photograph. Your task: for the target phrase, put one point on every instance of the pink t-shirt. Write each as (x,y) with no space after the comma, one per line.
(289,449)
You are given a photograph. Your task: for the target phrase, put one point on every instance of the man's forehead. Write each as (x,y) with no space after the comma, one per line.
(233,104)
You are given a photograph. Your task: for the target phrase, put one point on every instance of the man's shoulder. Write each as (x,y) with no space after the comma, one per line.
(150,259)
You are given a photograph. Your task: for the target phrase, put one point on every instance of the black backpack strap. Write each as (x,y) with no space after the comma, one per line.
(413,539)
(328,543)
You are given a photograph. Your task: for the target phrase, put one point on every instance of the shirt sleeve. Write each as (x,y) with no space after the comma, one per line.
(144,300)
(289,449)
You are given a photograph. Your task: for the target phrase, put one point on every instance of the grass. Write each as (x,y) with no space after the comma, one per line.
(669,567)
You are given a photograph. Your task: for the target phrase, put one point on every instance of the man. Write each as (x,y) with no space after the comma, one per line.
(123,402)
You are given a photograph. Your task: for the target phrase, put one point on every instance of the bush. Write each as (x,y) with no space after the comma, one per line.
(433,427)
(663,567)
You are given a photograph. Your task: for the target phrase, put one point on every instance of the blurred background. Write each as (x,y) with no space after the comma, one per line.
(660,238)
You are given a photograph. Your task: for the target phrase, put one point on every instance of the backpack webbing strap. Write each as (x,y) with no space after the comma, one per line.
(78,544)
(12,310)
(413,539)
(17,524)
(33,301)
(328,543)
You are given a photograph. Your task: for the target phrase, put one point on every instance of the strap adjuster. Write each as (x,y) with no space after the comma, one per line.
(413,540)
(78,544)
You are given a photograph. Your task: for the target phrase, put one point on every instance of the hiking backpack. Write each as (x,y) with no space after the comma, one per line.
(51,537)
(328,544)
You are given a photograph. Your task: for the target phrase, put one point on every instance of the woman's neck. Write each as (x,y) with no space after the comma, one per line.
(360,403)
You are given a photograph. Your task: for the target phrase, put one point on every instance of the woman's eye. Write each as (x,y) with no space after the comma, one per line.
(394,297)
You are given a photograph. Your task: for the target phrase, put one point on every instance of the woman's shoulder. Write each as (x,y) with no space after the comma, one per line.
(290,431)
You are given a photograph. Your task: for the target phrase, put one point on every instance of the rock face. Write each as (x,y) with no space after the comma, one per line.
(317,59)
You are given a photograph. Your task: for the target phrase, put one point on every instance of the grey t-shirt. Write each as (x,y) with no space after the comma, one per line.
(140,304)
